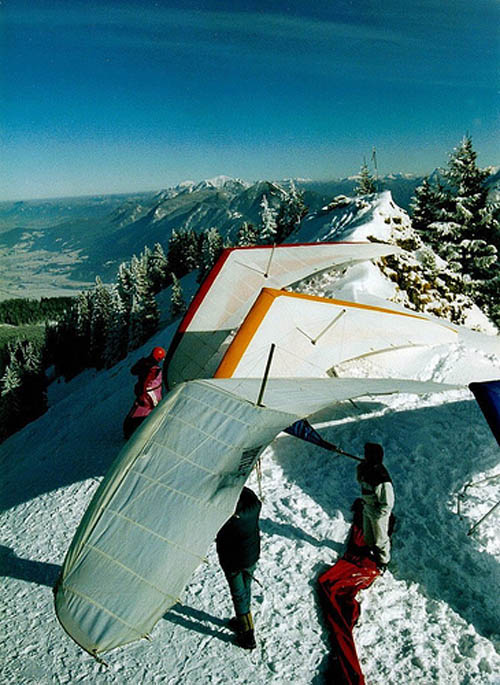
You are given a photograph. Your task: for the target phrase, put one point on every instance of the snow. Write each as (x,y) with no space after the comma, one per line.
(431,618)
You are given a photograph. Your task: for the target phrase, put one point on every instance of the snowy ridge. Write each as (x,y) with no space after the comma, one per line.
(366,216)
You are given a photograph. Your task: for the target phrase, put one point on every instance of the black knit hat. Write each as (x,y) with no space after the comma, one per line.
(374,453)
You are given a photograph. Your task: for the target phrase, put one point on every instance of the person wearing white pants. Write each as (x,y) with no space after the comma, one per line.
(377,493)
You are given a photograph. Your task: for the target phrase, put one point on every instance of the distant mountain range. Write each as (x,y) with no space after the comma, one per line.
(57,246)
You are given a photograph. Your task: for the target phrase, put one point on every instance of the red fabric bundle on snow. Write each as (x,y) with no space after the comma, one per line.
(340,584)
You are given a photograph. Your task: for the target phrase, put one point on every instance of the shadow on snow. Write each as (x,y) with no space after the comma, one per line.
(39,572)
(194,619)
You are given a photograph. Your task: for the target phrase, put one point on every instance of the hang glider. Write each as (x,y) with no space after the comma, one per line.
(171,488)
(231,287)
(316,336)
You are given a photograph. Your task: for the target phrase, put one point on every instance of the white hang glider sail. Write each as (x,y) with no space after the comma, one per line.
(315,336)
(170,490)
(230,289)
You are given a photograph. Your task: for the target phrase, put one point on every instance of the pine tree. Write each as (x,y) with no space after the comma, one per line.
(429,207)
(247,235)
(83,330)
(268,222)
(10,401)
(177,302)
(136,331)
(212,245)
(62,342)
(291,212)
(158,270)
(366,184)
(469,207)
(99,323)
(117,331)
(22,387)
(34,394)
(456,219)
(125,286)
(183,252)
(472,221)
(424,206)
(144,314)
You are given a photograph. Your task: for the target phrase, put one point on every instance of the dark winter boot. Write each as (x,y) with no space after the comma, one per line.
(234,624)
(245,636)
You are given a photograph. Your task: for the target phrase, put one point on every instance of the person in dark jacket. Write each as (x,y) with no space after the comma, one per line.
(238,548)
(148,389)
(378,500)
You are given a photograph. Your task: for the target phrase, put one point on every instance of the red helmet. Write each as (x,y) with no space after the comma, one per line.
(158,353)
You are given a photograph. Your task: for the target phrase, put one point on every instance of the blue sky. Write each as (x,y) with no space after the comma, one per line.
(105,97)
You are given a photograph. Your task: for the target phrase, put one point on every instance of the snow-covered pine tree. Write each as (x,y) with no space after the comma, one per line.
(99,323)
(144,315)
(456,219)
(34,389)
(177,302)
(117,330)
(466,184)
(488,297)
(290,213)
(125,287)
(82,333)
(158,270)
(212,245)
(468,218)
(427,206)
(23,387)
(366,184)
(10,401)
(136,331)
(268,223)
(247,235)
(478,245)
(183,251)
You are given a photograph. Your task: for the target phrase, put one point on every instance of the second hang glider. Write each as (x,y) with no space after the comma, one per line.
(316,336)
(230,289)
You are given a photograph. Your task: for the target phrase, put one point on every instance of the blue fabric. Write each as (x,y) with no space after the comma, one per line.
(240,583)
(302,429)
(487,395)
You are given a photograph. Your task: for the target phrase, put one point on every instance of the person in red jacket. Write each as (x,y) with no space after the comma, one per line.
(148,389)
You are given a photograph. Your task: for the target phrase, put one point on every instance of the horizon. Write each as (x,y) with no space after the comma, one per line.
(127,193)
(103,97)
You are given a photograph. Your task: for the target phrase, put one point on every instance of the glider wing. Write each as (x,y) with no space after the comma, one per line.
(172,487)
(314,335)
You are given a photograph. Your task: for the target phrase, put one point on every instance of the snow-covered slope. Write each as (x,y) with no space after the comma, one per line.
(418,280)
(369,216)
(432,618)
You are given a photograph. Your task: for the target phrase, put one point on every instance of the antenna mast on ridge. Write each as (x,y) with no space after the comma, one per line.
(374,160)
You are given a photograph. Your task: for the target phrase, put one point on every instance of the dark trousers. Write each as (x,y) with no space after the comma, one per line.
(240,582)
